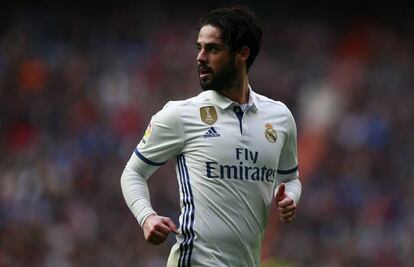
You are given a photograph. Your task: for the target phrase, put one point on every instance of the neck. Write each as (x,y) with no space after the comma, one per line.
(239,92)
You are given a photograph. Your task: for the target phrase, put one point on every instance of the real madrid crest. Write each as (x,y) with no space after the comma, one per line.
(208,115)
(270,133)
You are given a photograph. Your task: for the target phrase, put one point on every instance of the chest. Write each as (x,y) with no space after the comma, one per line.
(252,139)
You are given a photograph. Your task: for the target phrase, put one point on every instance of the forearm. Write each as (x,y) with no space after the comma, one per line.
(135,189)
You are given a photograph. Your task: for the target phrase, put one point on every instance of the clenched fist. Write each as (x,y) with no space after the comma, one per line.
(285,205)
(157,228)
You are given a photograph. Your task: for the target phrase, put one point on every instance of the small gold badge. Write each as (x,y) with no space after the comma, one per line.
(147,134)
(148,131)
(208,115)
(270,133)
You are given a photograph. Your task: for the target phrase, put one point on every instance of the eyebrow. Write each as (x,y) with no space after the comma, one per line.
(210,45)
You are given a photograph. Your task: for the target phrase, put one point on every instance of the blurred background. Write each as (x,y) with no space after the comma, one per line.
(78,86)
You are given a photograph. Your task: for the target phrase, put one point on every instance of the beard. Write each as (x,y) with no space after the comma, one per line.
(221,80)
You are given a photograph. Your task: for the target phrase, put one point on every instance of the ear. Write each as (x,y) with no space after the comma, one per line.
(244,53)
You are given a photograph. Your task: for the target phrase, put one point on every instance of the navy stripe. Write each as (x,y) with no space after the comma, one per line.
(183,248)
(191,240)
(190,216)
(287,171)
(186,247)
(184,230)
(239,114)
(144,159)
(214,130)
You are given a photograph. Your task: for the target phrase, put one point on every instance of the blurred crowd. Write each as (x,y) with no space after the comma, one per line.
(77,90)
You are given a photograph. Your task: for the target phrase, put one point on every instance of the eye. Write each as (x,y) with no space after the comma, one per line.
(213,49)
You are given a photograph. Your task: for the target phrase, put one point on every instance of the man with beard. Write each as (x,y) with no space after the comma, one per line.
(235,151)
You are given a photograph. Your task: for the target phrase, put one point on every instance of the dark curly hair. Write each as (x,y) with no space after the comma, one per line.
(239,27)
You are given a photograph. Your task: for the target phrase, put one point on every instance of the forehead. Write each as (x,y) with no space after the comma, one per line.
(209,34)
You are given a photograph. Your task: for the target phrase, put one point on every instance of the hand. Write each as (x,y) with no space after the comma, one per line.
(285,205)
(157,228)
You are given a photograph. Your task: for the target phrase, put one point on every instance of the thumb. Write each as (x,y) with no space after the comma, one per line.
(280,192)
(171,225)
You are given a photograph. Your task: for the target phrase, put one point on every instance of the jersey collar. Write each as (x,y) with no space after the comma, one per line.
(224,103)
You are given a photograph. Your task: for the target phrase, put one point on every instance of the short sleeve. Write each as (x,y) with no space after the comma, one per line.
(288,161)
(163,138)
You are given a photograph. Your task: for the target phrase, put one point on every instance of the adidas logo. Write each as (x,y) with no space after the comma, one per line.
(211,133)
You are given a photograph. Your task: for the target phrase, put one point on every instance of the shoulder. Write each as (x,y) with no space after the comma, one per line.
(168,114)
(174,111)
(277,110)
(186,107)
(192,101)
(272,105)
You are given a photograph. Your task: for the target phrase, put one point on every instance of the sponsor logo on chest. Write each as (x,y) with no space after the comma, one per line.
(211,133)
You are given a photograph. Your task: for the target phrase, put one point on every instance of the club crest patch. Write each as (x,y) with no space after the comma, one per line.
(208,115)
(270,133)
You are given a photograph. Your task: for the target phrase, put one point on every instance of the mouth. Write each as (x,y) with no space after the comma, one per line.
(204,72)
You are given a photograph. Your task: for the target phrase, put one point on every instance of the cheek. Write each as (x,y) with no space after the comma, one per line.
(219,62)
(214,61)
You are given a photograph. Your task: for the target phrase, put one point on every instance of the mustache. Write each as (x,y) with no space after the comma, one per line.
(204,68)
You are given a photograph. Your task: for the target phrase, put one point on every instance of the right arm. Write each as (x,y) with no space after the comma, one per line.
(135,190)
(162,140)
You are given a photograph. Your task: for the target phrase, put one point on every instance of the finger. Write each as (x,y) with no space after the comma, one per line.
(285,203)
(163,228)
(287,220)
(156,237)
(288,215)
(287,209)
(157,234)
(280,192)
(171,225)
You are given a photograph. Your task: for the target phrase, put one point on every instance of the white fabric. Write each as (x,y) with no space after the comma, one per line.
(227,175)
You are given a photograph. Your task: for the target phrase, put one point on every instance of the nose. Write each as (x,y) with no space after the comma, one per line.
(202,56)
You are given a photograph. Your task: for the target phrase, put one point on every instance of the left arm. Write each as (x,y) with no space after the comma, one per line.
(285,203)
(287,193)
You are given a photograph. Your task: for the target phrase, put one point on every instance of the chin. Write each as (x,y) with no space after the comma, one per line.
(206,85)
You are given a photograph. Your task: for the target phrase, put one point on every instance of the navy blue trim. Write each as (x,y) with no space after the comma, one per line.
(239,114)
(183,247)
(191,226)
(287,171)
(144,159)
(186,247)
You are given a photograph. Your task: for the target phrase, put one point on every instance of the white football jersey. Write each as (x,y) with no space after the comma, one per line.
(228,164)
